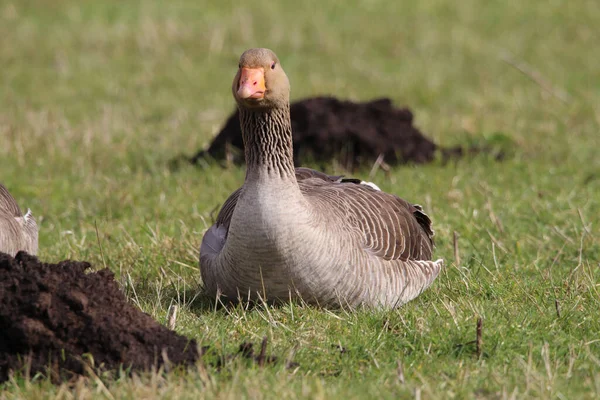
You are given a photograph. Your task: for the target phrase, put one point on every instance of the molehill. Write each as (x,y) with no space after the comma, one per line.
(52,314)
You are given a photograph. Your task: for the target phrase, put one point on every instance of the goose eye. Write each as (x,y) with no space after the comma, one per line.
(240,66)
(273,65)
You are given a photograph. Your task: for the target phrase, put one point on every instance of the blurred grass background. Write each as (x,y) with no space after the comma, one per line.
(97,97)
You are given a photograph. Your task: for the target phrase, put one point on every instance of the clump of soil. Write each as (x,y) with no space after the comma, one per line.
(354,134)
(51,314)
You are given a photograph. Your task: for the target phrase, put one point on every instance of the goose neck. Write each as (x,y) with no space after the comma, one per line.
(268,147)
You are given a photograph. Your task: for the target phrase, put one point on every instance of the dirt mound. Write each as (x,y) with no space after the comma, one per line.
(326,128)
(51,314)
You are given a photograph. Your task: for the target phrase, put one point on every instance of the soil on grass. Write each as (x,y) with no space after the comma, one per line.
(53,317)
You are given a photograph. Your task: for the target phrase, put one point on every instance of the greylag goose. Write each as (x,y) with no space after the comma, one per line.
(17,231)
(298,233)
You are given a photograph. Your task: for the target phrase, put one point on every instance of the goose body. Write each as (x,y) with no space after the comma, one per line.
(299,233)
(18,231)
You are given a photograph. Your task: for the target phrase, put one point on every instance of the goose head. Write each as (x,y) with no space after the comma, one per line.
(260,82)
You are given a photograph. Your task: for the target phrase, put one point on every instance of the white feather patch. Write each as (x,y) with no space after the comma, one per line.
(370,184)
(27,215)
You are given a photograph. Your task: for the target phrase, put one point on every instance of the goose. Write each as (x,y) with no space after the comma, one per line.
(296,233)
(17,231)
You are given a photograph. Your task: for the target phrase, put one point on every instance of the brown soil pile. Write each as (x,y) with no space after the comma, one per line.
(326,128)
(51,314)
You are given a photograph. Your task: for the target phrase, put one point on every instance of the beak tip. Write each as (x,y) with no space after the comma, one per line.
(243,92)
(251,84)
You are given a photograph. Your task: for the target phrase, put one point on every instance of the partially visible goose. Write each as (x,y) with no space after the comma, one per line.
(289,233)
(17,231)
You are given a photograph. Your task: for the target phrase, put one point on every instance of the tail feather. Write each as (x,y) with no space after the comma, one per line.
(424,221)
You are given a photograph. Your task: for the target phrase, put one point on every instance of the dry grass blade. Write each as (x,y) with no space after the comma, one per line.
(456,250)
(172,316)
(535,76)
(378,164)
(479,337)
(263,352)
(100,244)
(400,372)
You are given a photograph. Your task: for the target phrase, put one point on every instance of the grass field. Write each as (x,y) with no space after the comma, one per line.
(97,97)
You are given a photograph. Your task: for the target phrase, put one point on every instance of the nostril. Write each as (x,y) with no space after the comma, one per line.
(255,83)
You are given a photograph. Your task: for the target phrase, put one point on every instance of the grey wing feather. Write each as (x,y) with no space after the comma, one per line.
(391,228)
(8,204)
(224,217)
(17,231)
(213,240)
(303,173)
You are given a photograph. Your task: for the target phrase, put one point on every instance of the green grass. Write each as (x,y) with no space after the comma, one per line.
(97,97)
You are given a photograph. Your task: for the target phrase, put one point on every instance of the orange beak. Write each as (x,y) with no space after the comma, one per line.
(252,83)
